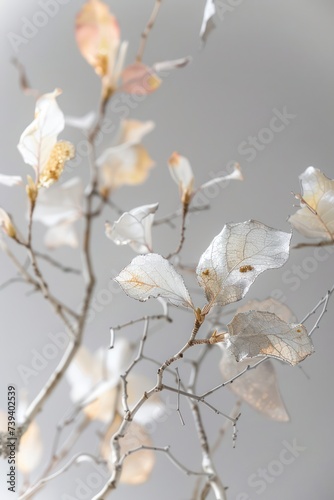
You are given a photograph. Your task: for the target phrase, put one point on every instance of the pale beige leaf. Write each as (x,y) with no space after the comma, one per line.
(138,466)
(259,333)
(258,387)
(237,256)
(315,218)
(270,305)
(181,172)
(30,451)
(6,224)
(152,276)
(236,175)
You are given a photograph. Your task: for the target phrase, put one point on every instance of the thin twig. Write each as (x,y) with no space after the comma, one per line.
(147,30)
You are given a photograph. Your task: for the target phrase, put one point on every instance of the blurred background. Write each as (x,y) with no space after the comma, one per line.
(261,59)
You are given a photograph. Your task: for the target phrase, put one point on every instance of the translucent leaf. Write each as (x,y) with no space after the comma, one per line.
(152,276)
(235,175)
(259,333)
(40,137)
(315,218)
(237,256)
(258,387)
(127,162)
(58,208)
(270,305)
(207,23)
(139,79)
(181,172)
(31,449)
(98,36)
(134,228)
(81,122)
(10,180)
(138,466)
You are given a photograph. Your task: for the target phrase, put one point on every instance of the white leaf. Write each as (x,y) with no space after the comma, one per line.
(316,217)
(170,65)
(60,235)
(40,137)
(207,23)
(134,228)
(181,172)
(235,175)
(237,256)
(61,203)
(81,122)
(10,180)
(152,276)
(270,305)
(258,387)
(259,333)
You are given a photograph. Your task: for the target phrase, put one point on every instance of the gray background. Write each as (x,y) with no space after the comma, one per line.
(263,55)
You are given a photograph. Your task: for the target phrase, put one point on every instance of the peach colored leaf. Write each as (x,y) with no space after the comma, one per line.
(139,79)
(152,276)
(259,333)
(237,256)
(98,36)
(315,218)
(258,387)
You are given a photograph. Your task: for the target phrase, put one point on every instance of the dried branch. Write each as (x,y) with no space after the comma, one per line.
(319,244)
(147,30)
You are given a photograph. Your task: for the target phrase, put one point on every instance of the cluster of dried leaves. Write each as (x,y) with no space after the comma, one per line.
(103,385)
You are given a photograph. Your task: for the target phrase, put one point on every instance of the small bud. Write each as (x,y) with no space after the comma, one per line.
(32,190)
(6,224)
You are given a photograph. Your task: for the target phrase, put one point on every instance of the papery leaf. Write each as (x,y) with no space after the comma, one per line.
(127,162)
(137,467)
(81,122)
(139,79)
(259,333)
(181,172)
(171,65)
(152,276)
(40,137)
(235,175)
(258,387)
(98,36)
(10,180)
(270,305)
(207,23)
(63,234)
(134,228)
(31,449)
(237,256)
(316,217)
